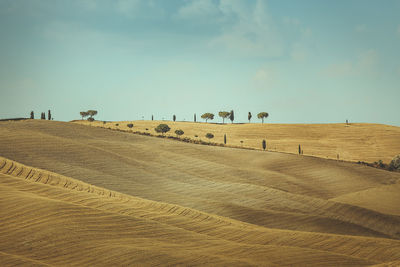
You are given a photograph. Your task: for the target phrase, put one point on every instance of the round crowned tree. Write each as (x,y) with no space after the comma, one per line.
(179,132)
(162,128)
(207,116)
(223,115)
(262,115)
(92,113)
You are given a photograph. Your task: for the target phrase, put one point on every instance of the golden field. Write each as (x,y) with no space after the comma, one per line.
(87,196)
(353,142)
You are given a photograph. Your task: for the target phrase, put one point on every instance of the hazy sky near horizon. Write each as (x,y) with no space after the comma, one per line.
(306,61)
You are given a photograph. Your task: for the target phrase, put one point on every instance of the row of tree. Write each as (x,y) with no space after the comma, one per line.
(90,113)
(42,115)
(225,114)
(164,128)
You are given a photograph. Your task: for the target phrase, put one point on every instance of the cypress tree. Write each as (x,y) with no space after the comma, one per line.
(232,116)
(49,115)
(152,117)
(32,115)
(225,139)
(194,117)
(264,144)
(249,116)
(299,150)
(174,117)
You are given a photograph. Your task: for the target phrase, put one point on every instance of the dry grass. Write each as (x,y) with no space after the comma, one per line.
(99,197)
(354,142)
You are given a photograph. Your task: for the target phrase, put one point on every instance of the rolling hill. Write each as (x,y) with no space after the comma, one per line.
(78,195)
(354,142)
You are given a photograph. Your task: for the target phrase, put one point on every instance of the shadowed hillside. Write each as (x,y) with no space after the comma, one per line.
(159,201)
(353,142)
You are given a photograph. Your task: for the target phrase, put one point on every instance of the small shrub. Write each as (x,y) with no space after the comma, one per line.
(381,164)
(90,119)
(395,163)
(209,135)
(130,125)
(104,122)
(196,135)
(117,124)
(147,129)
(179,132)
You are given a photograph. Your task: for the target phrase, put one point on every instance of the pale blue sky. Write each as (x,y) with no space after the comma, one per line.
(301,61)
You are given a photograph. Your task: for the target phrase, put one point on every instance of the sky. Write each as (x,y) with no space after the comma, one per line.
(305,61)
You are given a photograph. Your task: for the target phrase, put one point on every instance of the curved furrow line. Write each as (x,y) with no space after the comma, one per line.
(210,227)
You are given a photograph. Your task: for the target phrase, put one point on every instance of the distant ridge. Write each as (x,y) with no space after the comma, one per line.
(14,119)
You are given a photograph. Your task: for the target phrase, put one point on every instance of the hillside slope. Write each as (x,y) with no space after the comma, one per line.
(263,200)
(353,142)
(50,219)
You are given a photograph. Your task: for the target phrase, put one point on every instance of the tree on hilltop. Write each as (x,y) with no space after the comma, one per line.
(83,114)
(223,115)
(32,115)
(262,115)
(232,116)
(249,116)
(207,116)
(92,113)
